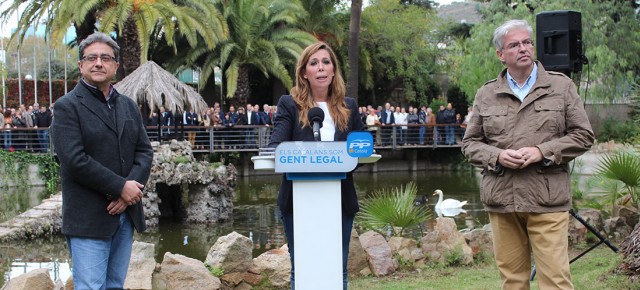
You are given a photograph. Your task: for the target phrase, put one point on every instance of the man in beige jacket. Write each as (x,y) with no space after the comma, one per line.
(526,126)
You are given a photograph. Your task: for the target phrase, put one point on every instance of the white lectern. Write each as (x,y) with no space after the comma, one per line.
(316,170)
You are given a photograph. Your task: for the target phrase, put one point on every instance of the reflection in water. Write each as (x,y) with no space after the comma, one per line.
(255,215)
(14,201)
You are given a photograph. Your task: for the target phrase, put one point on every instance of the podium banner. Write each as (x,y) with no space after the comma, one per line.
(311,157)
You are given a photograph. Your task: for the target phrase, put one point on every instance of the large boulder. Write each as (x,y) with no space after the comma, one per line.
(38,279)
(275,265)
(379,254)
(141,266)
(232,253)
(444,239)
(179,272)
(357,256)
(630,215)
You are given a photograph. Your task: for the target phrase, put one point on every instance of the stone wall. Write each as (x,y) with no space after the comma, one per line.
(207,189)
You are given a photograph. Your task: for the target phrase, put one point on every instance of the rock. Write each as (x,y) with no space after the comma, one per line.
(37,279)
(617,228)
(252,278)
(630,215)
(232,279)
(366,271)
(577,231)
(276,265)
(232,253)
(179,272)
(141,266)
(379,254)
(243,286)
(405,248)
(444,239)
(480,241)
(357,256)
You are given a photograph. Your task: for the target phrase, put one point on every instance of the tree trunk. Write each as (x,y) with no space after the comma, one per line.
(243,90)
(129,48)
(354,49)
(86,28)
(631,252)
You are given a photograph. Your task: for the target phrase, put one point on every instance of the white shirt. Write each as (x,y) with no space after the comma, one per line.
(401,119)
(328,130)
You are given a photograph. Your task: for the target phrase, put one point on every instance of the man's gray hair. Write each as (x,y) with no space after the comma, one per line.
(102,38)
(501,32)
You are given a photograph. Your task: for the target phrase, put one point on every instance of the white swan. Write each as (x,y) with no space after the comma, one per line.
(447,203)
(449,211)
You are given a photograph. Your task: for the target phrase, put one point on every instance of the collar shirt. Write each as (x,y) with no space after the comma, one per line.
(249,117)
(388,117)
(522,91)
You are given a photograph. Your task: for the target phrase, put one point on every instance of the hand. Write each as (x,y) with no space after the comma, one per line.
(117,207)
(530,155)
(131,192)
(510,158)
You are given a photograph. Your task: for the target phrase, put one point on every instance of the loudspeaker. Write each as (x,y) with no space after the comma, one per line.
(559,40)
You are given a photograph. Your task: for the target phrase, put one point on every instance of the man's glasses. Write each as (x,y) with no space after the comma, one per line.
(528,43)
(105,58)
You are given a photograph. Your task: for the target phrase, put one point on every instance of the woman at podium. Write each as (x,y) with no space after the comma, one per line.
(318,83)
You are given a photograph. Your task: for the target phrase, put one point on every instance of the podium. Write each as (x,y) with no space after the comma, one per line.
(316,170)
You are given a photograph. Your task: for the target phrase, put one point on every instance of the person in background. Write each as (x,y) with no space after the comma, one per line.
(527,125)
(401,119)
(42,122)
(413,129)
(105,160)
(319,83)
(6,133)
(373,124)
(387,119)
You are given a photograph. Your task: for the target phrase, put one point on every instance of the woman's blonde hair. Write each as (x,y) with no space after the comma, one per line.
(301,92)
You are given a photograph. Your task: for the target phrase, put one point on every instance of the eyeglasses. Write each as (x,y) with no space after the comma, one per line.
(105,58)
(528,43)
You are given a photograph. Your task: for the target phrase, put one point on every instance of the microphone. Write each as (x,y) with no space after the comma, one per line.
(316,116)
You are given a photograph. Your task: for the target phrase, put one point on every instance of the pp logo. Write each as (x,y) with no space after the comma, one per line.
(360,144)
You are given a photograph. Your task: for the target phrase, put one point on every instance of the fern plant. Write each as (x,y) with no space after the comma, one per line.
(392,208)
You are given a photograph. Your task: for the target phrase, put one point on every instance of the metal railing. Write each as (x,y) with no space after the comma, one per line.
(248,137)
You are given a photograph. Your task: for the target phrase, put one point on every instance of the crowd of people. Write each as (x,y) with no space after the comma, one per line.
(15,124)
(389,124)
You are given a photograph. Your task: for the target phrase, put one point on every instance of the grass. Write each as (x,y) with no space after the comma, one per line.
(595,270)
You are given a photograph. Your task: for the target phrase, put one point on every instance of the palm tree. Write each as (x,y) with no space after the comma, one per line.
(354,48)
(261,36)
(133,20)
(321,20)
(624,166)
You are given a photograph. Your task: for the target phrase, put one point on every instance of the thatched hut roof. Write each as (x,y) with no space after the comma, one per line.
(153,85)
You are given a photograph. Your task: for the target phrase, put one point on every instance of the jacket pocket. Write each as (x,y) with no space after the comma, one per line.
(494,119)
(549,115)
(557,189)
(488,193)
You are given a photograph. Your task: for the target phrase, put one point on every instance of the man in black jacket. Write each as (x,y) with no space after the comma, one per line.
(42,122)
(105,160)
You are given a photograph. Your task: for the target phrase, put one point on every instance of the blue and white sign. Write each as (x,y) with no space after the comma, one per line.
(360,144)
(299,156)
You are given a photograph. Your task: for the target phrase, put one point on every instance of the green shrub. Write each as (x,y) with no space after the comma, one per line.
(215,271)
(454,257)
(391,209)
(621,132)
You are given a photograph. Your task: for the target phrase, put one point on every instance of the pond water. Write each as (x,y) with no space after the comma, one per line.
(255,215)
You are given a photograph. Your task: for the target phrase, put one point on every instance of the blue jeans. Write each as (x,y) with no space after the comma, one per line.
(451,139)
(100,264)
(347,225)
(43,135)
(7,139)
